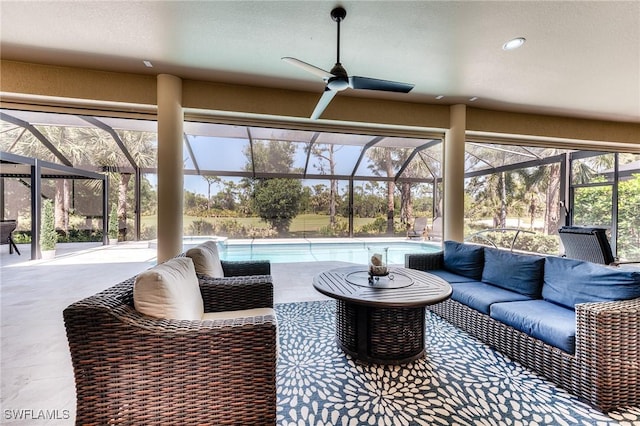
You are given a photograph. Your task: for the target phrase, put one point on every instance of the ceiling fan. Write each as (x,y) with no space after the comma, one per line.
(338,80)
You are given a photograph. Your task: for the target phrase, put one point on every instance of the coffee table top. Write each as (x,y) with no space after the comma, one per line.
(403,288)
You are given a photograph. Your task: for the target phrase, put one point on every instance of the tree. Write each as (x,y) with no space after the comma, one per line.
(327,165)
(97,147)
(277,201)
(382,162)
(629,218)
(531,180)
(210,181)
(270,156)
(319,198)
(194,204)
(227,198)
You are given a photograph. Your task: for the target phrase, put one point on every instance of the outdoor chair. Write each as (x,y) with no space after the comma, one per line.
(435,233)
(585,243)
(418,229)
(207,262)
(6,229)
(132,367)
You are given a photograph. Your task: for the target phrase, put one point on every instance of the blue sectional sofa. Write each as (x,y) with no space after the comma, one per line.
(576,323)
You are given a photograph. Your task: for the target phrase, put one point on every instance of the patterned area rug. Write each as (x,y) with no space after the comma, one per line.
(460,382)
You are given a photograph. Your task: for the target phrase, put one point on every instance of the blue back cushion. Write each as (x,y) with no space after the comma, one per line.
(516,272)
(450,277)
(464,259)
(568,282)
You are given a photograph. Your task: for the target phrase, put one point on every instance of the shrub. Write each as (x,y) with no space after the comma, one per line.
(534,243)
(255,232)
(76,235)
(148,232)
(232,228)
(378,226)
(22,237)
(113,223)
(340,229)
(201,227)
(48,234)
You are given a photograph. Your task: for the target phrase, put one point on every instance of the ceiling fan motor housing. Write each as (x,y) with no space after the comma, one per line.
(338,84)
(340,79)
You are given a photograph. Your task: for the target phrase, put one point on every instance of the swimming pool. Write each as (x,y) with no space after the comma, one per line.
(312,251)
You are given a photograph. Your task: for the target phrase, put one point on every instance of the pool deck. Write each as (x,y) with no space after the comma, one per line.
(35,363)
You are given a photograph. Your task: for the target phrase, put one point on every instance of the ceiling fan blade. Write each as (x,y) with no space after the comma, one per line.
(376,84)
(325,75)
(326,97)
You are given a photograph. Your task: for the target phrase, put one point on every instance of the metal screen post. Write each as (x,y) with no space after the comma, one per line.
(36,209)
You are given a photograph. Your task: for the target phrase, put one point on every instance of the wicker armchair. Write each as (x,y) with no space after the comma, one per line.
(133,369)
(242,268)
(208,263)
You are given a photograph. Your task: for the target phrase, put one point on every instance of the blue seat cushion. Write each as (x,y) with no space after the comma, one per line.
(546,321)
(480,296)
(568,282)
(450,276)
(516,272)
(464,259)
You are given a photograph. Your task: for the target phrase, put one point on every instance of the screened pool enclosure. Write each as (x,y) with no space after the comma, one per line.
(272,180)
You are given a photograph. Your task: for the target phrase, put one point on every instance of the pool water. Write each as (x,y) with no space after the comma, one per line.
(354,252)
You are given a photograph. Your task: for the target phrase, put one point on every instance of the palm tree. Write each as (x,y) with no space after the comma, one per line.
(382,163)
(531,179)
(210,181)
(99,149)
(327,165)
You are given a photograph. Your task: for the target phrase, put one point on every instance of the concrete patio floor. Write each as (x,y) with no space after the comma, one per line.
(37,376)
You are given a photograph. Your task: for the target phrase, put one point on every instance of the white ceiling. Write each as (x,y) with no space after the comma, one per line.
(581,58)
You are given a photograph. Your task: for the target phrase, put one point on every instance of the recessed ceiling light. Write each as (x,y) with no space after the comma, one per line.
(439,97)
(473,99)
(514,43)
(147,64)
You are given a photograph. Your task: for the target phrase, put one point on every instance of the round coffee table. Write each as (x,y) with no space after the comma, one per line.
(381,322)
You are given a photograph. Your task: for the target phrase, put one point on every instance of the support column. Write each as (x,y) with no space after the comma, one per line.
(170,168)
(453,226)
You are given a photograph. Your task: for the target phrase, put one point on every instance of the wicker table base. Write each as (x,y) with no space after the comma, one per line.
(380,335)
(381,322)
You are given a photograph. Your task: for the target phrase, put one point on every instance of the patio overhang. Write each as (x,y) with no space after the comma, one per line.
(17,166)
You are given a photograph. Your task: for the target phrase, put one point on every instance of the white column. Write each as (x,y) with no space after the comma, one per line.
(170,168)
(453,226)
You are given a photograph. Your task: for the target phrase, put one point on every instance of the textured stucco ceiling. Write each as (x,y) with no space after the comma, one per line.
(581,58)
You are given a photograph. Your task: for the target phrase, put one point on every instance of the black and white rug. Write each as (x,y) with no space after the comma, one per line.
(460,382)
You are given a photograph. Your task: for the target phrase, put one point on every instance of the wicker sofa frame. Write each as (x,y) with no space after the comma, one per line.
(605,369)
(132,369)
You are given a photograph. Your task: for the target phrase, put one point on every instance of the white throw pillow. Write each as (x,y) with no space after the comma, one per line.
(169,291)
(206,259)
